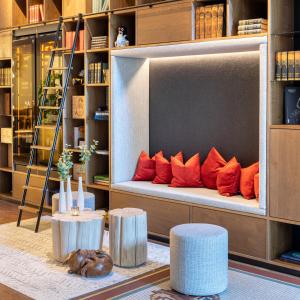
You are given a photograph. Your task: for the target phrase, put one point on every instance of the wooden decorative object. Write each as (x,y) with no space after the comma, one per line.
(78,107)
(71,233)
(6,135)
(128,236)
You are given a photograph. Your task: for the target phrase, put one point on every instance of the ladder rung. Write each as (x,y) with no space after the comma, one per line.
(45,126)
(52,87)
(38,147)
(60,49)
(36,167)
(28,209)
(49,107)
(58,68)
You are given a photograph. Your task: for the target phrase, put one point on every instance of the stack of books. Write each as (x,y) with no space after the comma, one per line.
(252,26)
(100,179)
(292,256)
(287,65)
(5,76)
(97,72)
(36,13)
(69,38)
(99,42)
(209,21)
(100,5)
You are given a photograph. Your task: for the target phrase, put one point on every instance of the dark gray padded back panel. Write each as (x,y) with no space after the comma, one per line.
(200,102)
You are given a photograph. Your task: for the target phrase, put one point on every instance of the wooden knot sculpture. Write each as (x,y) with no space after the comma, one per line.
(89,263)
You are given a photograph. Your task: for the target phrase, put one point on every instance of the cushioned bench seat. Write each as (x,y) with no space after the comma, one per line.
(201,196)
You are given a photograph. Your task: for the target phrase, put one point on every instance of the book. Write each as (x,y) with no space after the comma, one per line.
(202,22)
(208,21)
(284,66)
(297,65)
(291,256)
(253,26)
(197,23)
(42,12)
(253,31)
(291,65)
(253,21)
(214,21)
(220,20)
(278,65)
(292,105)
(81,40)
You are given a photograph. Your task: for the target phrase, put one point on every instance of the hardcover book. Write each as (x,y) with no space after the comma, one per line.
(253,26)
(278,65)
(292,105)
(202,22)
(208,21)
(253,31)
(284,66)
(297,65)
(214,21)
(220,20)
(291,256)
(253,21)
(197,22)
(291,65)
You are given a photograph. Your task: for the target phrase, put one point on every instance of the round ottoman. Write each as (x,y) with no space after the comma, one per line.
(199,259)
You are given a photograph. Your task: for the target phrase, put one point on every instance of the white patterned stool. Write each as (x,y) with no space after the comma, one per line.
(199,259)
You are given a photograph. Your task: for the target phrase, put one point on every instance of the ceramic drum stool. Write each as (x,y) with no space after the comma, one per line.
(199,259)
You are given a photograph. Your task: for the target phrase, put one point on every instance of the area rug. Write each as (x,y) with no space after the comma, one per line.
(27,266)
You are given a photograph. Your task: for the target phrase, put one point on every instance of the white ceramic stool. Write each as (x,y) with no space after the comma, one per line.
(199,259)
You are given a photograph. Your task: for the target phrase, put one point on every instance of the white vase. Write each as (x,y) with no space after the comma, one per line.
(69,194)
(62,198)
(80,195)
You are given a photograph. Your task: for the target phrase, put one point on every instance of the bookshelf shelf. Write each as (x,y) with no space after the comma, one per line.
(97,85)
(285,126)
(99,50)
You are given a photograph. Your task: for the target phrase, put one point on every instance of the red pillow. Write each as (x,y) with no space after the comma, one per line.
(247,181)
(145,170)
(210,168)
(163,169)
(188,174)
(256,186)
(228,179)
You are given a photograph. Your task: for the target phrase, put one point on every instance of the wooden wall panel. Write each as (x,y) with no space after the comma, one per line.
(164,23)
(284,174)
(162,215)
(247,235)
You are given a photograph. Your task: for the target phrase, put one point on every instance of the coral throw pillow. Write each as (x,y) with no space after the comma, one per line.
(188,174)
(145,170)
(247,181)
(256,186)
(210,168)
(228,179)
(163,169)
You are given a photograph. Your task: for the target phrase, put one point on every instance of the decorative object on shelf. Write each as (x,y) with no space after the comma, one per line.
(100,179)
(79,80)
(101,114)
(78,107)
(69,194)
(100,5)
(122,40)
(292,105)
(89,263)
(128,236)
(287,65)
(99,42)
(6,135)
(75,211)
(78,135)
(252,26)
(292,256)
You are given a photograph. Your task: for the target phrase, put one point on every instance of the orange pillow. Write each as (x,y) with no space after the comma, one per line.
(256,186)
(188,174)
(145,170)
(210,168)
(247,181)
(163,169)
(228,179)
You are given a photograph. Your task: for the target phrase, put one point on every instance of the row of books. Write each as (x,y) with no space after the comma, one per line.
(100,5)
(252,26)
(209,21)
(97,72)
(287,65)
(5,76)
(36,13)
(69,39)
(99,42)
(99,179)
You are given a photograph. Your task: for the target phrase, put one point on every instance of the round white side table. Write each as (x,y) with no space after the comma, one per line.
(70,233)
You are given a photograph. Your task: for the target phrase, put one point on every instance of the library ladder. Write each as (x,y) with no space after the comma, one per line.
(63,90)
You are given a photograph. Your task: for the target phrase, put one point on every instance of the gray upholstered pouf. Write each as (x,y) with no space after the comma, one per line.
(199,259)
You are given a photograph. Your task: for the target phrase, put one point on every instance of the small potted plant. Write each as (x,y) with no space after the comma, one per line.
(84,157)
(64,166)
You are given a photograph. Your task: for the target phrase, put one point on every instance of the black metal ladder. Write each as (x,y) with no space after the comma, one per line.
(39,125)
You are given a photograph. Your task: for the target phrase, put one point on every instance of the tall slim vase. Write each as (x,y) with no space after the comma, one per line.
(69,194)
(62,208)
(80,196)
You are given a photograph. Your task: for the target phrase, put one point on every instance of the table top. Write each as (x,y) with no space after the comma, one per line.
(83,216)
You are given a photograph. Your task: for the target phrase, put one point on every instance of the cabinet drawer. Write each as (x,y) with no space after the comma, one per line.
(284,174)
(164,23)
(247,235)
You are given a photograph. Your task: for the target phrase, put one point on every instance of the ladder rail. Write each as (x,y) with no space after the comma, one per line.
(62,103)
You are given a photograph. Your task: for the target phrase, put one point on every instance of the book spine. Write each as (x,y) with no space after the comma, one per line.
(291,65)
(81,40)
(42,12)
(284,66)
(253,26)
(101,72)
(202,22)
(214,21)
(208,21)
(253,31)
(197,23)
(278,65)
(297,65)
(220,20)
(253,21)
